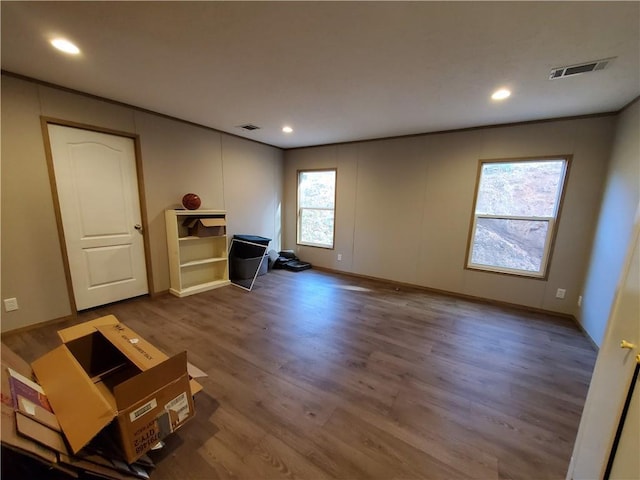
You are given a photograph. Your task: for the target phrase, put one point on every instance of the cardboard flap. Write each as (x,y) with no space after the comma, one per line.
(86,328)
(195,387)
(39,433)
(86,466)
(150,381)
(213,222)
(195,372)
(76,401)
(12,439)
(137,349)
(37,413)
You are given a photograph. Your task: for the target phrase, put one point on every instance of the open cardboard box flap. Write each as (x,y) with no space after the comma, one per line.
(150,381)
(138,350)
(81,409)
(85,328)
(213,222)
(143,354)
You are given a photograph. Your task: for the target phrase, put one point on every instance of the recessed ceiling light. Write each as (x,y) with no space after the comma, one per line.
(287,129)
(65,46)
(501,94)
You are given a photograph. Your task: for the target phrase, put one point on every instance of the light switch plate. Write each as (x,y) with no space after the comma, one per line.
(10,304)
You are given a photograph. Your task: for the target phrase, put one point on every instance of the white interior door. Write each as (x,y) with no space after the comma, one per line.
(626,456)
(97,189)
(610,385)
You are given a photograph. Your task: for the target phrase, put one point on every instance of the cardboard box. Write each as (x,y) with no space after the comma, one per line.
(82,329)
(206,227)
(29,434)
(106,374)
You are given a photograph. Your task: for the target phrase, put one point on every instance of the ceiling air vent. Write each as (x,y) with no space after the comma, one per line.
(249,127)
(562,72)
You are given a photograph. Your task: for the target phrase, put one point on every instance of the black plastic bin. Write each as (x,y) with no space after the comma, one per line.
(245,258)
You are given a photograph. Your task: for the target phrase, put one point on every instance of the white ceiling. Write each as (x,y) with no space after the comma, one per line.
(334,71)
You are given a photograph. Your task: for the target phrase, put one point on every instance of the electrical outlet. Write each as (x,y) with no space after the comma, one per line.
(10,304)
(339,257)
(580,301)
(560,293)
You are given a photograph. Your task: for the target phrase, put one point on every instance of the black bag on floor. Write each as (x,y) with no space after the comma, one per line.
(297,265)
(288,260)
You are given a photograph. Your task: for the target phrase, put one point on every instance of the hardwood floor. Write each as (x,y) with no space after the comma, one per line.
(314,375)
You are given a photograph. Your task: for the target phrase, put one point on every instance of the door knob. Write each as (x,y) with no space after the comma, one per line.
(625,344)
(138,227)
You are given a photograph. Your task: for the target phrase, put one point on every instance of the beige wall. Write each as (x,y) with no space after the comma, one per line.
(253,189)
(177,158)
(229,173)
(615,224)
(31,265)
(404,206)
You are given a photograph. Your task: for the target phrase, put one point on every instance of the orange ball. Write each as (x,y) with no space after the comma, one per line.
(191,201)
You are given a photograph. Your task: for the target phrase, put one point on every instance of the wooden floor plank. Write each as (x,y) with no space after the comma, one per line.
(318,375)
(377,443)
(274,459)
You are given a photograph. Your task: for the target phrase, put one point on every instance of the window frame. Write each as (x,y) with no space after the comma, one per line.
(299,209)
(553,221)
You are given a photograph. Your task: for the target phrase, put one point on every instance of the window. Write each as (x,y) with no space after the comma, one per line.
(515,212)
(316,207)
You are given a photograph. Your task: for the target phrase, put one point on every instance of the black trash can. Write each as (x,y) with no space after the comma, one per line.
(245,258)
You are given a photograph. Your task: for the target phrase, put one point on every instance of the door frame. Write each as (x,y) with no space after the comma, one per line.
(44,124)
